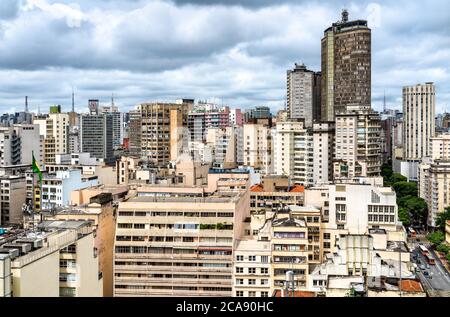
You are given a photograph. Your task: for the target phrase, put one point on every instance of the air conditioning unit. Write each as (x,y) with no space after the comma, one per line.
(22,247)
(35,243)
(13,253)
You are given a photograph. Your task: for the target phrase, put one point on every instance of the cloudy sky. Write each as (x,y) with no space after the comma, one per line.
(234,52)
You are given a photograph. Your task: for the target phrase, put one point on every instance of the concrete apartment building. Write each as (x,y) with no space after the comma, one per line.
(323,152)
(183,239)
(57,260)
(223,144)
(302,95)
(102,215)
(162,132)
(12,197)
(10,148)
(346,67)
(56,135)
(418,126)
(434,177)
(117,124)
(57,188)
(252,266)
(270,196)
(357,151)
(293,152)
(258,145)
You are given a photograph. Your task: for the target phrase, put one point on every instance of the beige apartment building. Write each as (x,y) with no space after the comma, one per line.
(273,194)
(357,151)
(258,145)
(162,130)
(57,260)
(434,177)
(252,266)
(323,152)
(56,139)
(101,213)
(173,242)
(293,152)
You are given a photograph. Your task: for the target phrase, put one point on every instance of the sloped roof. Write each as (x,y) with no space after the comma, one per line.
(297,189)
(411,286)
(257,188)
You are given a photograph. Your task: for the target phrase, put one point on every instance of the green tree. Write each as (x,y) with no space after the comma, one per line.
(448,257)
(442,218)
(436,237)
(396,177)
(405,188)
(443,248)
(404,217)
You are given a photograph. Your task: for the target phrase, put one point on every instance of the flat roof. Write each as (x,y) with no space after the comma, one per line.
(63,224)
(184,199)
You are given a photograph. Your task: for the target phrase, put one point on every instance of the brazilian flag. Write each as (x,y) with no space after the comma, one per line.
(36,169)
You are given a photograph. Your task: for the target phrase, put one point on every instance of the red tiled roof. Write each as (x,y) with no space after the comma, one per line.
(257,188)
(411,286)
(278,293)
(297,189)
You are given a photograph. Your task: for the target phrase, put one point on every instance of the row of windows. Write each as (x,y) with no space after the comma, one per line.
(174,214)
(252,281)
(252,294)
(252,270)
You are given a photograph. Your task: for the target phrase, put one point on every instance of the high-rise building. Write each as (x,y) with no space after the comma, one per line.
(96,136)
(323,149)
(181,232)
(134,133)
(117,123)
(357,150)
(56,140)
(162,130)
(293,152)
(302,94)
(346,67)
(434,177)
(418,120)
(10,145)
(258,144)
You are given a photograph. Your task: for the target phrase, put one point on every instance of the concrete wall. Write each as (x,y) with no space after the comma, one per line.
(38,279)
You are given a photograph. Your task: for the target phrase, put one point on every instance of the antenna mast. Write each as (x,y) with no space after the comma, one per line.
(26,103)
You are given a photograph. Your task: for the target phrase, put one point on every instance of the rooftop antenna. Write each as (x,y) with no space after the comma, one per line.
(384,102)
(26,103)
(112,101)
(344,15)
(73,100)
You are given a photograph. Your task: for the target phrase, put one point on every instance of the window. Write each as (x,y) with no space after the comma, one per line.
(326,245)
(265,282)
(264,259)
(252,258)
(239,258)
(264,270)
(239,270)
(264,294)
(239,294)
(251,281)
(251,294)
(326,236)
(239,281)
(251,270)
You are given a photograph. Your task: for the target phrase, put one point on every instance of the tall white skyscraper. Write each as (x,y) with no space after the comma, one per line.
(418,121)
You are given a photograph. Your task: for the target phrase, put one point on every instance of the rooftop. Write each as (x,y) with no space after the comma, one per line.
(222,198)
(291,189)
(279,293)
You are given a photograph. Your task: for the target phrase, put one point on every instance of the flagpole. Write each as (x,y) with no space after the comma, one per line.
(33,197)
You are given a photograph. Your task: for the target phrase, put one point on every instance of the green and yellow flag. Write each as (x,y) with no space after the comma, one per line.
(36,169)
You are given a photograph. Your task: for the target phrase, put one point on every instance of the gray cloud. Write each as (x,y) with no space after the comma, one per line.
(235,50)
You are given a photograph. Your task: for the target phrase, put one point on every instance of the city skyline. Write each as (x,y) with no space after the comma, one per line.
(100,48)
